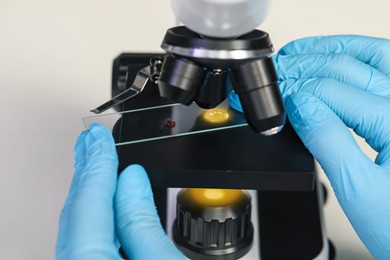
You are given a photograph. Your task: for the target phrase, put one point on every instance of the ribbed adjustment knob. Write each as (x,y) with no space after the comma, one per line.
(213,223)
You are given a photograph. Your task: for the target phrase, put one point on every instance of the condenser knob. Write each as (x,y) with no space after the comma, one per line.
(213,224)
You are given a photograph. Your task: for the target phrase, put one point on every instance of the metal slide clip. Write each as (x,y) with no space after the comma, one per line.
(150,72)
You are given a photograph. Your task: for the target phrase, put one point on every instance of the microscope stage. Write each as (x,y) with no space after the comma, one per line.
(230,158)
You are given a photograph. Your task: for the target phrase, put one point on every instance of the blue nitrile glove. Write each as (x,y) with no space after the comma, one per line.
(94,216)
(330,84)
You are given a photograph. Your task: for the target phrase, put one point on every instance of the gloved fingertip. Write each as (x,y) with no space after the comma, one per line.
(135,173)
(82,135)
(298,46)
(134,182)
(275,58)
(98,147)
(95,126)
(135,168)
(304,109)
(285,49)
(289,87)
(80,141)
(100,134)
(99,131)
(281,52)
(301,105)
(234,101)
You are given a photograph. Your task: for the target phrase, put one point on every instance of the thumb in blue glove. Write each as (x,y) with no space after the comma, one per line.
(87,223)
(137,222)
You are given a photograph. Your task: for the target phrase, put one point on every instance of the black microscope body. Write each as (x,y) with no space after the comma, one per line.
(278,167)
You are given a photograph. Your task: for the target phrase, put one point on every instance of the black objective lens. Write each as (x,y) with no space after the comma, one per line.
(214,90)
(180,79)
(252,72)
(255,83)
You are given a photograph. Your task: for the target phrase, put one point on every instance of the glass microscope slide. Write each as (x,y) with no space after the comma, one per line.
(167,121)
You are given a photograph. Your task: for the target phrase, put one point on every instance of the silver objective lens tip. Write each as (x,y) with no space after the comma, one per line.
(272,131)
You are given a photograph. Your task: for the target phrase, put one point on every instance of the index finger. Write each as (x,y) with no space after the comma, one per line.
(370,50)
(87,218)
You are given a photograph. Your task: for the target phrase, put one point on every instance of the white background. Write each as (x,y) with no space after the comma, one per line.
(55,65)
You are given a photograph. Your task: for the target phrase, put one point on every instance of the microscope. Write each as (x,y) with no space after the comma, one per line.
(228,183)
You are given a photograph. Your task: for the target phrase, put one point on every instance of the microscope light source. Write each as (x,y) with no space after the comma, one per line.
(216,115)
(215,197)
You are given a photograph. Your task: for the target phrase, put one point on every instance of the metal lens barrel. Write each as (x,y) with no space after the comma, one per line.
(255,82)
(180,79)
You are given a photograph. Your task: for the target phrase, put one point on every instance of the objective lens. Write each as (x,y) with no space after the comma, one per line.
(256,85)
(180,79)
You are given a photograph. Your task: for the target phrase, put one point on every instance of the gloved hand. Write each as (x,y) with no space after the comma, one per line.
(94,216)
(330,84)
